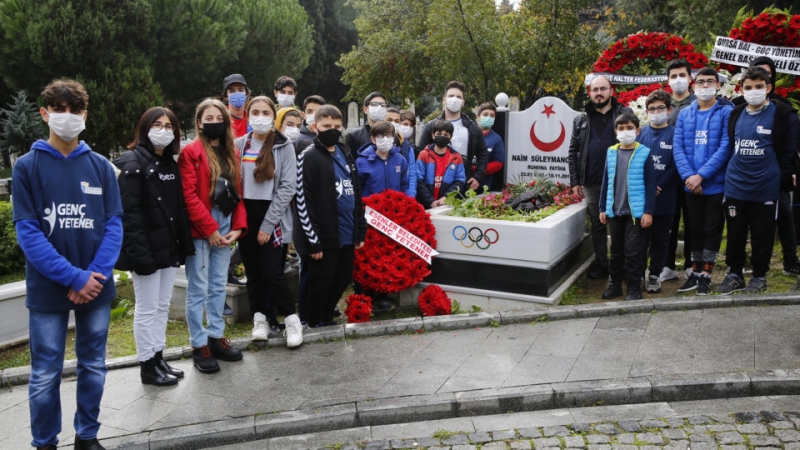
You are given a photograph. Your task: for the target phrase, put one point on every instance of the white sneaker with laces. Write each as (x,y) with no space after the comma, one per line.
(293,331)
(260,328)
(667,274)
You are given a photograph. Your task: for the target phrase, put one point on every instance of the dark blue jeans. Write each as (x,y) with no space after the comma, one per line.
(48,334)
(659,242)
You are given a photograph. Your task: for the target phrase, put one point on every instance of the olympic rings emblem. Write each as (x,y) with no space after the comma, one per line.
(476,237)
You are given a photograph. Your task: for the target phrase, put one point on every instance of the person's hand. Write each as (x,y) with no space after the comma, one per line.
(473,184)
(263,238)
(89,291)
(647,220)
(603,218)
(658,190)
(231,237)
(215,240)
(360,244)
(694,184)
(316,255)
(578,190)
(439,202)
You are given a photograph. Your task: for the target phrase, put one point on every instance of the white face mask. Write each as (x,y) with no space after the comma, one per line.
(755,97)
(291,132)
(261,124)
(453,104)
(396,127)
(376,113)
(626,137)
(285,100)
(67,126)
(679,85)
(384,144)
(160,138)
(658,118)
(705,94)
(309,120)
(406,131)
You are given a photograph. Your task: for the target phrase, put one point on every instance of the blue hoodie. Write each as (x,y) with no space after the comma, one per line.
(703,148)
(377,175)
(68,218)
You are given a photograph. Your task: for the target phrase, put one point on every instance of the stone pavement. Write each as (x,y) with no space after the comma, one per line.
(545,364)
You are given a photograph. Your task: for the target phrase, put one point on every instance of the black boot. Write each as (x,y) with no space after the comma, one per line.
(152,374)
(614,290)
(634,291)
(221,349)
(599,271)
(89,444)
(166,368)
(204,360)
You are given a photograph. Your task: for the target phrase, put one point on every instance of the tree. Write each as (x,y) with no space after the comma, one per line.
(718,15)
(22,126)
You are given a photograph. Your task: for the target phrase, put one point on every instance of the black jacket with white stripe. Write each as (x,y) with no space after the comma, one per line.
(316,224)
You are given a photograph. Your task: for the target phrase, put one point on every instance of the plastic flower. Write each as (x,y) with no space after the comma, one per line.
(359,308)
(433,301)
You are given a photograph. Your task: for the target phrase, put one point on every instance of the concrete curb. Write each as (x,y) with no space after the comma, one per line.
(20,375)
(656,388)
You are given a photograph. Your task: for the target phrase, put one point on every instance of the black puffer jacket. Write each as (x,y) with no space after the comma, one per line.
(156,235)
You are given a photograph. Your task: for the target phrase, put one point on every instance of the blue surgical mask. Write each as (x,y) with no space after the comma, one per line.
(237,99)
(487,121)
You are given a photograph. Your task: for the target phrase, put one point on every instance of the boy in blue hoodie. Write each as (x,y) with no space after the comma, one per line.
(627,202)
(657,136)
(68,217)
(380,164)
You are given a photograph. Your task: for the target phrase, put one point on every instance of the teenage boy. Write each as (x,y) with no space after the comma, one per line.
(679,77)
(657,136)
(285,91)
(467,136)
(380,164)
(627,202)
(487,112)
(310,105)
(701,150)
(764,136)
(408,121)
(330,214)
(375,109)
(406,149)
(68,218)
(235,93)
(440,168)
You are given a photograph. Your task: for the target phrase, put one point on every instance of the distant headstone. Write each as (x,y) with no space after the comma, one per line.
(352,115)
(513,104)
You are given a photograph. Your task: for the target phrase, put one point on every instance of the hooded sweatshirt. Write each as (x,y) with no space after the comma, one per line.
(377,175)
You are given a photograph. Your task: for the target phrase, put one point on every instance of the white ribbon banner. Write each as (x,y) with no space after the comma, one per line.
(399,234)
(740,53)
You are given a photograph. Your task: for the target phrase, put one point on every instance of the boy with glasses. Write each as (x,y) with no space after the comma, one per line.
(375,105)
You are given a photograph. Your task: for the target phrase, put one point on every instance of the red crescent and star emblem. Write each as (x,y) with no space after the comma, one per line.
(548,146)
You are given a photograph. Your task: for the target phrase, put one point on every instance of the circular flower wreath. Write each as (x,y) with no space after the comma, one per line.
(433,301)
(649,49)
(359,308)
(383,265)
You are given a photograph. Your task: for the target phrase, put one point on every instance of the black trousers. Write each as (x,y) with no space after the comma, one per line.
(687,229)
(659,241)
(628,250)
(758,218)
(786,230)
(266,283)
(599,231)
(708,221)
(328,278)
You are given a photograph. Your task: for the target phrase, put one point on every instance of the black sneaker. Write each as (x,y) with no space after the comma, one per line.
(221,349)
(690,284)
(613,291)
(87,444)
(756,286)
(383,304)
(634,292)
(703,285)
(732,283)
(791,271)
(204,361)
(599,271)
(236,281)
(653,284)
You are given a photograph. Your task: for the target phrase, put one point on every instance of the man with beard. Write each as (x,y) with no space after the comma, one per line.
(592,135)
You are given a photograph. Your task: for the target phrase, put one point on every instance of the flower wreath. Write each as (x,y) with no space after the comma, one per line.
(359,308)
(383,265)
(647,49)
(433,301)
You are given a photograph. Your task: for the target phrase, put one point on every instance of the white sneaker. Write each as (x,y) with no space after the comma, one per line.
(667,274)
(260,328)
(293,331)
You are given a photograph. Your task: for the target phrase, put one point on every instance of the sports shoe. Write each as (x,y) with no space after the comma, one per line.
(236,281)
(634,291)
(383,304)
(204,361)
(221,349)
(791,271)
(667,274)
(274,328)
(613,291)
(293,331)
(732,283)
(260,328)
(703,284)
(654,283)
(688,272)
(227,310)
(756,286)
(599,271)
(690,284)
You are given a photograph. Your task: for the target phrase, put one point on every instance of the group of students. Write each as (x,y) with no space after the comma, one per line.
(724,162)
(257,173)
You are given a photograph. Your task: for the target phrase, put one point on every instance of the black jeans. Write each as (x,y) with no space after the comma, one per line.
(327,280)
(628,250)
(687,229)
(786,231)
(759,219)
(708,221)
(599,231)
(659,241)
(302,289)
(266,282)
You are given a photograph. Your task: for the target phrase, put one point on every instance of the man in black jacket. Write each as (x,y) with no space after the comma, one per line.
(592,134)
(467,135)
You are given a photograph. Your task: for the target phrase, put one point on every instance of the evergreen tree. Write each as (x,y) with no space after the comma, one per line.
(22,125)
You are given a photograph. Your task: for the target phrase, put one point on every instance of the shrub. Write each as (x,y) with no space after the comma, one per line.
(12,260)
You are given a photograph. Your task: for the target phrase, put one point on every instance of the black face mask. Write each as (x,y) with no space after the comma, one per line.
(441,141)
(214,130)
(329,138)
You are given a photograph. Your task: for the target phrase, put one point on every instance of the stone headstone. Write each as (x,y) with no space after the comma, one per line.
(352,115)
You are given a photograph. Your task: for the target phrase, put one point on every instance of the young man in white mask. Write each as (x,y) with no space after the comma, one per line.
(310,105)
(701,149)
(285,91)
(467,136)
(375,106)
(679,77)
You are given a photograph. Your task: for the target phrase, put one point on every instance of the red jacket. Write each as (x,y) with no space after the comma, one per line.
(196,181)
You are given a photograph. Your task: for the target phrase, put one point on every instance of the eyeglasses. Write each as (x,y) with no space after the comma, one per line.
(376,104)
(709,83)
(158,126)
(657,109)
(600,89)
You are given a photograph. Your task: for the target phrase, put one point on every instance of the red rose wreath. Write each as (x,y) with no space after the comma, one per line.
(433,301)
(359,308)
(383,265)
